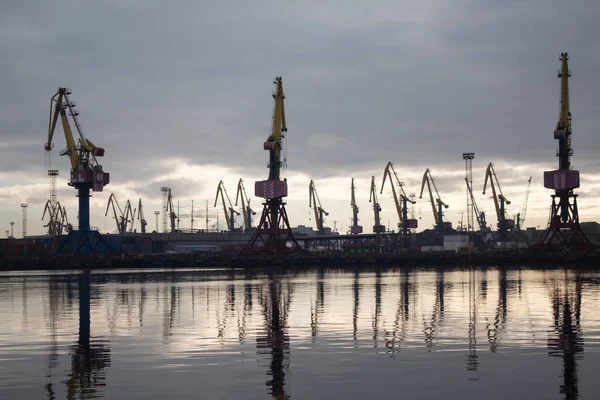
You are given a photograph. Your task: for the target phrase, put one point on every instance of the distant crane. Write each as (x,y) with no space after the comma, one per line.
(122,217)
(228,209)
(247,212)
(86,173)
(401,208)
(377,228)
(500,203)
(57,218)
(315,203)
(438,214)
(140,216)
(521,215)
(355,229)
(171,211)
(480,215)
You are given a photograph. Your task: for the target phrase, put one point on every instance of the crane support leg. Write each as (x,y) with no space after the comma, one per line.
(83,192)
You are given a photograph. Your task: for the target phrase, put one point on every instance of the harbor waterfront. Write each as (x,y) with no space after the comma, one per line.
(427,333)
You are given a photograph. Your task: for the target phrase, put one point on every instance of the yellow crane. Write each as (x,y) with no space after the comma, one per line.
(228,209)
(247,212)
(121,217)
(401,208)
(86,172)
(377,228)
(436,203)
(500,202)
(315,203)
(355,229)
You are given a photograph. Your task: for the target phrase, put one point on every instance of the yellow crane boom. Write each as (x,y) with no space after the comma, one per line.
(437,211)
(247,212)
(227,206)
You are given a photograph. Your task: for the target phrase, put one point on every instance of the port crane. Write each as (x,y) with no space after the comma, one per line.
(315,203)
(523,213)
(436,203)
(123,216)
(171,211)
(500,203)
(228,209)
(140,216)
(86,173)
(400,200)
(480,215)
(377,228)
(355,229)
(57,218)
(247,212)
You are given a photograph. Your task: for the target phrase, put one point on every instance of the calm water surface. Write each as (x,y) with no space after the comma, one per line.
(322,334)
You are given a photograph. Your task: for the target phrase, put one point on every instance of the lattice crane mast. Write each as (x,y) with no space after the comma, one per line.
(500,202)
(86,172)
(523,213)
(401,200)
(355,229)
(247,212)
(228,209)
(436,203)
(377,228)
(480,215)
(315,203)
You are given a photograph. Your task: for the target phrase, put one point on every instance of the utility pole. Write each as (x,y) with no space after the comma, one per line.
(24,207)
(156,213)
(468,157)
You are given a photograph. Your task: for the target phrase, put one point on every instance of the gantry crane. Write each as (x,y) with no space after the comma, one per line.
(355,229)
(315,203)
(500,203)
(247,212)
(401,208)
(436,203)
(480,215)
(140,216)
(377,228)
(122,218)
(228,209)
(523,213)
(86,173)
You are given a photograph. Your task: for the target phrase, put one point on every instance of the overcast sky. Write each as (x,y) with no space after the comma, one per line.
(180,96)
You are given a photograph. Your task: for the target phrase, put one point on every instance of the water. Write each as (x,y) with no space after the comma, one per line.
(419,334)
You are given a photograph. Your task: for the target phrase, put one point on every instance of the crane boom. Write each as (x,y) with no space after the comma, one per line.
(315,203)
(140,216)
(437,212)
(278,127)
(480,215)
(355,228)
(400,200)
(120,216)
(521,215)
(226,206)
(377,227)
(500,201)
(247,212)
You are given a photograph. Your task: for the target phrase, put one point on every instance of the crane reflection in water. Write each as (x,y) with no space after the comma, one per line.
(274,341)
(89,358)
(565,340)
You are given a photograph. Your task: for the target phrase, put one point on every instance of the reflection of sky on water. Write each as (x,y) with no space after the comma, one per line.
(300,334)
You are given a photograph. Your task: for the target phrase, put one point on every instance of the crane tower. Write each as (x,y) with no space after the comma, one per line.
(273,230)
(563,229)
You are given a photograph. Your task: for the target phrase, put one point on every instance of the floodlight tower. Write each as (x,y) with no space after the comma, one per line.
(12,225)
(24,226)
(468,157)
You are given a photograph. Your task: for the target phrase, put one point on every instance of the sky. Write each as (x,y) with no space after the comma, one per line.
(180,96)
